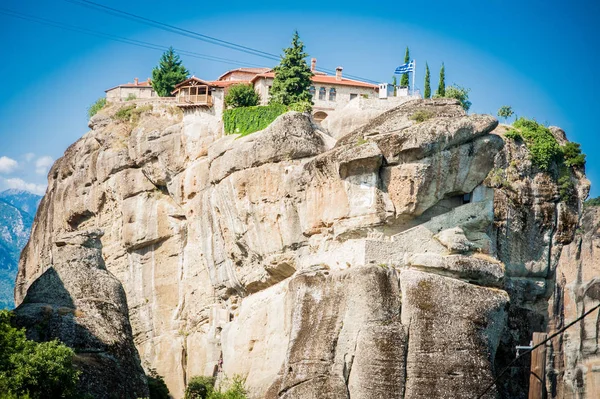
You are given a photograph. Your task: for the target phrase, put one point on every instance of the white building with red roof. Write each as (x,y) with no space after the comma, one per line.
(137,89)
(328,92)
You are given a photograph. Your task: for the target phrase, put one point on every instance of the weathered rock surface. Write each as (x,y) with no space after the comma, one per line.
(405,261)
(79,302)
(573,366)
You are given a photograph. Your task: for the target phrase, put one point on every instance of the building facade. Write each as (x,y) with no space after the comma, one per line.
(328,92)
(137,89)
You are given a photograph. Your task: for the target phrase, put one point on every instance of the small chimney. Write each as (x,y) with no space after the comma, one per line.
(338,73)
(135,81)
(313,64)
(149,81)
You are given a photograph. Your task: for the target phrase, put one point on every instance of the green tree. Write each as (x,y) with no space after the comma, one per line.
(505,112)
(427,93)
(404,79)
(241,95)
(395,83)
(168,73)
(200,387)
(459,93)
(156,386)
(292,75)
(441,90)
(34,370)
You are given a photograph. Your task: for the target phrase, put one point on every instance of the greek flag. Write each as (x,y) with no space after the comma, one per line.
(406,68)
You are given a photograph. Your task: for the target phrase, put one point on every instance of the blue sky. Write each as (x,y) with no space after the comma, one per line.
(536,56)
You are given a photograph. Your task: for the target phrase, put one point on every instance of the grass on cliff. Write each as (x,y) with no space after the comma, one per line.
(131,113)
(543,146)
(97,106)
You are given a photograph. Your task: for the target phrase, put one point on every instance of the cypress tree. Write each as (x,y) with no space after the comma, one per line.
(427,93)
(404,80)
(292,75)
(441,91)
(168,73)
(395,83)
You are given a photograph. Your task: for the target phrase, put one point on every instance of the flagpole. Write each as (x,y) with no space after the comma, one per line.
(414,72)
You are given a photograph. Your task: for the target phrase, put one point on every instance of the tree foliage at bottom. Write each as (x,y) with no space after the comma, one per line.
(34,370)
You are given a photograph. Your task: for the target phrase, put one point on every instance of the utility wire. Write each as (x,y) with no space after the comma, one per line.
(134,42)
(535,347)
(192,34)
(173,29)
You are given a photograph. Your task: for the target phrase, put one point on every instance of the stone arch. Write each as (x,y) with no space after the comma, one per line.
(319,116)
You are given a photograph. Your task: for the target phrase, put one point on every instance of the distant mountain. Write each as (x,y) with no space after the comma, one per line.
(17,209)
(23,200)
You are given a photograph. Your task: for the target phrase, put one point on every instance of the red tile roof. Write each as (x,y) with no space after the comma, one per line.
(325,79)
(247,70)
(144,83)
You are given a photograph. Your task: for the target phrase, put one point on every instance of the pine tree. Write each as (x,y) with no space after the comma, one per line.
(441,90)
(427,93)
(404,80)
(168,73)
(292,76)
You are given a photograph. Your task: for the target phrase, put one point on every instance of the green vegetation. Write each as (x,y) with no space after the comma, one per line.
(505,112)
(292,76)
(302,106)
(157,387)
(421,116)
(168,73)
(592,202)
(241,95)
(541,143)
(199,387)
(97,106)
(248,120)
(131,97)
(513,134)
(404,79)
(204,388)
(566,188)
(34,370)
(131,113)
(427,93)
(395,84)
(572,155)
(459,93)
(441,90)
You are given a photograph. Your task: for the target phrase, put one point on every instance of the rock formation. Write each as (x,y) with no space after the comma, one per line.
(573,366)
(77,301)
(405,259)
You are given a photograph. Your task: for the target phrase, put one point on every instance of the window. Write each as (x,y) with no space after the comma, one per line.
(311,90)
(353,96)
(322,93)
(332,94)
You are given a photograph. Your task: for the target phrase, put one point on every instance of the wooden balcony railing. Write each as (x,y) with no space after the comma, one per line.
(195,99)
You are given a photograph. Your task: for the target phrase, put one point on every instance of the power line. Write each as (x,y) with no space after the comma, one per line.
(133,42)
(173,29)
(535,347)
(192,34)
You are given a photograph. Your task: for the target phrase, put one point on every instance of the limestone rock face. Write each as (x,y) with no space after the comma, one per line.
(79,302)
(401,259)
(574,363)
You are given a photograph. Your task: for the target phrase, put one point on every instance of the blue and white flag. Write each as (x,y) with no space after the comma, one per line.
(406,68)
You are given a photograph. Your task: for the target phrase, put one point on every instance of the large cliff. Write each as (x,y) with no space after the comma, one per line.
(405,259)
